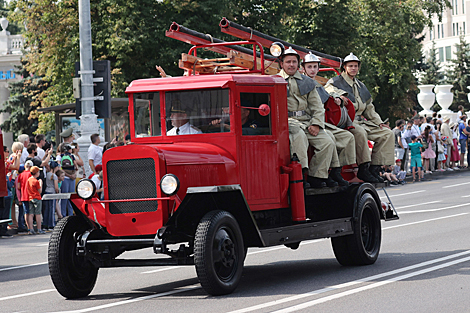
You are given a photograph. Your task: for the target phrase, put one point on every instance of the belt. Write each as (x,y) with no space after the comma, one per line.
(296,113)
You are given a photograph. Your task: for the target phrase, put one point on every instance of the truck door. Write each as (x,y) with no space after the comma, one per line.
(259,168)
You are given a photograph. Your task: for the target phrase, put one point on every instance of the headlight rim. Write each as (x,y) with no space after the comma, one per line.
(92,184)
(177,184)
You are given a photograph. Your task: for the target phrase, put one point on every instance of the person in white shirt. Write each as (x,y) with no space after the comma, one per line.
(95,152)
(180,122)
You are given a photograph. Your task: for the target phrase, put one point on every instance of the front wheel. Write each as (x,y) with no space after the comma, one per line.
(219,253)
(73,276)
(362,247)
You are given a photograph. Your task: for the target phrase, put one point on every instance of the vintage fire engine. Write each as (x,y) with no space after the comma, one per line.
(208,175)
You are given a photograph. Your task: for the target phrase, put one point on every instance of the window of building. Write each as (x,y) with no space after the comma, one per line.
(442,31)
(463,7)
(453,29)
(448,53)
(455,10)
(463,28)
(430,33)
(438,31)
(441,54)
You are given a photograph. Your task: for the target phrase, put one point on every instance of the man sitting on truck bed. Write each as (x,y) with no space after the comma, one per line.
(344,140)
(307,115)
(368,124)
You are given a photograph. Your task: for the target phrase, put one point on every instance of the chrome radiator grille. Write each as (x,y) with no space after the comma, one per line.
(131,179)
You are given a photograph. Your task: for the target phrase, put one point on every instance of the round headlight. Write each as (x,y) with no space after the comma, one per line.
(276,49)
(170,184)
(86,189)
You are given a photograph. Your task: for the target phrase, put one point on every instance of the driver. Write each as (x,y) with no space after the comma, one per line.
(180,121)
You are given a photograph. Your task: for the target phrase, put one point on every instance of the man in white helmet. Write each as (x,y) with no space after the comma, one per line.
(345,144)
(367,124)
(307,117)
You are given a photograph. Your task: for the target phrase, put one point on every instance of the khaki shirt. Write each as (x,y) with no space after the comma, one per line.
(365,109)
(310,102)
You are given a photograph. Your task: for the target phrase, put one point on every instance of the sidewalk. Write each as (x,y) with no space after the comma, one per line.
(436,175)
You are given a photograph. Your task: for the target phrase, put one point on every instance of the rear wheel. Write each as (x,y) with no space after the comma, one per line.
(72,275)
(219,253)
(362,247)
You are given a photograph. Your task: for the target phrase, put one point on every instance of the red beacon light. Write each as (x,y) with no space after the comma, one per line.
(263,109)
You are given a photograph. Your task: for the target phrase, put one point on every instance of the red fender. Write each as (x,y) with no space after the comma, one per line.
(94,211)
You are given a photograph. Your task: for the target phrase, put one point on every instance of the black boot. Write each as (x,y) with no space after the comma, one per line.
(365,175)
(304,175)
(330,182)
(316,182)
(375,170)
(335,174)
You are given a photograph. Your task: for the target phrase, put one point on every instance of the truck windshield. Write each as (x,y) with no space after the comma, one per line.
(147,114)
(197,111)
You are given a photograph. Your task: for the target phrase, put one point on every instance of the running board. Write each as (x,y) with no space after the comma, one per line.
(307,231)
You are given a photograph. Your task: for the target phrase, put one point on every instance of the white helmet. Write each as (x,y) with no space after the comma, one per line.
(291,51)
(310,57)
(351,57)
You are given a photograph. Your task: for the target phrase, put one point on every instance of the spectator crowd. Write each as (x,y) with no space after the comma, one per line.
(424,145)
(34,169)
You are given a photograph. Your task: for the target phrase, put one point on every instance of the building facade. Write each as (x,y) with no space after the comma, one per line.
(445,33)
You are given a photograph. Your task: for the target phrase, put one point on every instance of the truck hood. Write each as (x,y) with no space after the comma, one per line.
(186,153)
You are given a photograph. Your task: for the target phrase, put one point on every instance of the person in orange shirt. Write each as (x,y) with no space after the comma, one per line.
(21,190)
(34,189)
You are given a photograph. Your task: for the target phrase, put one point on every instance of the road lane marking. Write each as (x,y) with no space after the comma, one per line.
(456,185)
(21,266)
(466,196)
(371,286)
(424,221)
(157,295)
(434,210)
(351,283)
(412,205)
(404,194)
(161,270)
(26,294)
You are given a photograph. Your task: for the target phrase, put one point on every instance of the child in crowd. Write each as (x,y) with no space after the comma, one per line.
(386,173)
(34,189)
(52,187)
(23,198)
(415,148)
(97,179)
(401,175)
(429,152)
(60,178)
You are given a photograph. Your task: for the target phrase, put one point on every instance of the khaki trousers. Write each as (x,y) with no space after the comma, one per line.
(325,153)
(384,144)
(345,144)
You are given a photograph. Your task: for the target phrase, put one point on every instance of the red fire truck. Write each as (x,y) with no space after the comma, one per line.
(208,174)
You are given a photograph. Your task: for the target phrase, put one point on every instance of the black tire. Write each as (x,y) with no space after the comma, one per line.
(219,253)
(73,276)
(362,247)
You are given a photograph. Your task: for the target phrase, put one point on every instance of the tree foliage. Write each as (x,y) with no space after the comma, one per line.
(131,34)
(432,74)
(459,74)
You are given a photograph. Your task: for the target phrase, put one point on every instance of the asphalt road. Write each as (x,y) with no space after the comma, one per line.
(424,266)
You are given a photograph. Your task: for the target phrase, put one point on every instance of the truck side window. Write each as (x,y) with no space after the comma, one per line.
(252,122)
(197,112)
(147,114)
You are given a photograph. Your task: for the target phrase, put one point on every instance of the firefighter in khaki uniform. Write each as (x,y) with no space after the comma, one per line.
(372,127)
(307,116)
(345,144)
